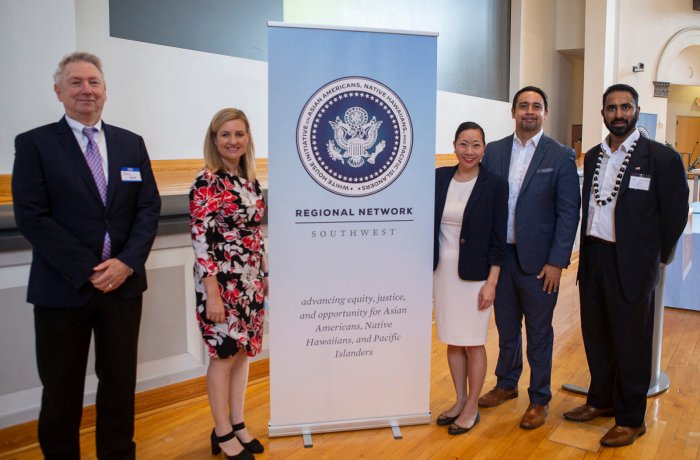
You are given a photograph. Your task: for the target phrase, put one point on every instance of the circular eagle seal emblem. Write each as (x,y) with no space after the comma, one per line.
(354,136)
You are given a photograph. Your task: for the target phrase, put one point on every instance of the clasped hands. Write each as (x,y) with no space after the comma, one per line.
(110,274)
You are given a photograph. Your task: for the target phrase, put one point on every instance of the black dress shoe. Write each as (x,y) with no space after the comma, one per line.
(445,420)
(254,446)
(457,429)
(587,413)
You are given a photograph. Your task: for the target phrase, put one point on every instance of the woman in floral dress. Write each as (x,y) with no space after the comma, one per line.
(226,211)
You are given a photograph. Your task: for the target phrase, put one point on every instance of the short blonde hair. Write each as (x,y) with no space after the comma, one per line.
(76,56)
(212,158)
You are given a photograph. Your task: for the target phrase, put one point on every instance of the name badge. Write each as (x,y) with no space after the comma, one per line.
(131,175)
(640,182)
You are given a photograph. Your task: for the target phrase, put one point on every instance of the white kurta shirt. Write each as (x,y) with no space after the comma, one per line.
(601,219)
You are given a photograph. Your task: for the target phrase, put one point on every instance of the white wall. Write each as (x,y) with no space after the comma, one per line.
(166,94)
(570,43)
(599,66)
(642,40)
(576,107)
(685,69)
(453,109)
(540,64)
(570,24)
(619,35)
(34,35)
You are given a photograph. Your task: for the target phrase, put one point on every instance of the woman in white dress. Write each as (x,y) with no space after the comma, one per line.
(471,207)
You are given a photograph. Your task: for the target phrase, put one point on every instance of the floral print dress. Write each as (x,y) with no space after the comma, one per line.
(226,212)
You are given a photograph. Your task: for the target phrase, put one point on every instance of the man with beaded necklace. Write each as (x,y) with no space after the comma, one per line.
(635,206)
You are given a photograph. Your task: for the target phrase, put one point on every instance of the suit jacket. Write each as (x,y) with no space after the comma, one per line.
(647,223)
(59,210)
(547,210)
(483,234)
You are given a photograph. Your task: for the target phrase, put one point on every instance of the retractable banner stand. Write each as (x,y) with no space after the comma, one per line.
(351,192)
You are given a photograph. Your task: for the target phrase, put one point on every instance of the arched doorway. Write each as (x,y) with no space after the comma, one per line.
(678,81)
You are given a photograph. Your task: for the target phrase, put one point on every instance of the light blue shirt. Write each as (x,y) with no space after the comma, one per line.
(77,129)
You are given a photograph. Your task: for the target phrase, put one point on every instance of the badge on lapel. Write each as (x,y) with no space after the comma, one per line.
(131,175)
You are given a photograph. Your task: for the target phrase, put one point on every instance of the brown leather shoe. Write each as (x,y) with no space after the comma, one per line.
(534,416)
(587,413)
(497,396)
(622,435)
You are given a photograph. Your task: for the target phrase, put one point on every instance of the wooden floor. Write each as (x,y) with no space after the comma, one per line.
(181,431)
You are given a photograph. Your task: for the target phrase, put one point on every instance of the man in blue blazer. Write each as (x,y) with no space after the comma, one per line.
(543,214)
(635,206)
(86,199)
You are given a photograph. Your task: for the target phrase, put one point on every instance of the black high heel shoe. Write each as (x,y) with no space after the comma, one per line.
(254,446)
(245,454)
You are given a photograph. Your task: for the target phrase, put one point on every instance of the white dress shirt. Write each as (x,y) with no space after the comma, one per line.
(520,159)
(601,219)
(77,129)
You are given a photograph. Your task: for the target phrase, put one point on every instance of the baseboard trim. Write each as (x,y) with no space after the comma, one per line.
(17,438)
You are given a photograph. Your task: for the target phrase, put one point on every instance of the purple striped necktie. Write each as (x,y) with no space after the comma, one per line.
(94,161)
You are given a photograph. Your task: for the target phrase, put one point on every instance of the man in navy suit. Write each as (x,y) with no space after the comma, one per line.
(635,206)
(543,214)
(85,198)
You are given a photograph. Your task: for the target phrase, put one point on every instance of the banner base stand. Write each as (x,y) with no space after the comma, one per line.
(657,386)
(307,429)
(575,388)
(308,442)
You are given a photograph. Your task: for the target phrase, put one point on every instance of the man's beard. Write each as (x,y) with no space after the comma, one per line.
(529,125)
(622,130)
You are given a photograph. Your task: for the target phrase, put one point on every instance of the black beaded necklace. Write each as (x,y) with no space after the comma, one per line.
(618,179)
